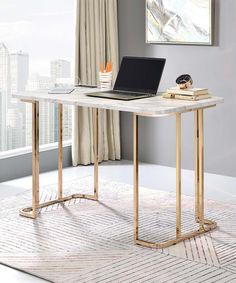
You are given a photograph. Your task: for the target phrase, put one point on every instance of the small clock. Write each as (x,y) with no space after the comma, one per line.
(184,81)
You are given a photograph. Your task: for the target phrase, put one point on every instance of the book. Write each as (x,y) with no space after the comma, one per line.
(168,95)
(193,98)
(188,91)
(186,97)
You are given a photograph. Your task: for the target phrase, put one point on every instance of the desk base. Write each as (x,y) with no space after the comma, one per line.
(204,224)
(208,226)
(28,211)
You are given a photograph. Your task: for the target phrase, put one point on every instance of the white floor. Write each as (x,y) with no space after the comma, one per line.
(219,188)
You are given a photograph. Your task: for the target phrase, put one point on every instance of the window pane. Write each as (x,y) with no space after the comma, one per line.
(36,52)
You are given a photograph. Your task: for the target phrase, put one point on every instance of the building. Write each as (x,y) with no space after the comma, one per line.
(19,71)
(36,82)
(61,75)
(5,92)
(46,111)
(60,69)
(14,72)
(46,123)
(15,129)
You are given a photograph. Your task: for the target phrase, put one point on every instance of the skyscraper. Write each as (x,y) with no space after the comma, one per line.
(15,129)
(5,92)
(36,82)
(60,69)
(46,111)
(19,71)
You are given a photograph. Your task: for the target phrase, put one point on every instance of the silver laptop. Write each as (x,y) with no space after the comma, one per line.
(137,78)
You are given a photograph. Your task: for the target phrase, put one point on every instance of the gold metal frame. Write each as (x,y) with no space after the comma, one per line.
(204,224)
(32,212)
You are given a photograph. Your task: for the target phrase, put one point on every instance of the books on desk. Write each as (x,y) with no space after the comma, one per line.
(193,94)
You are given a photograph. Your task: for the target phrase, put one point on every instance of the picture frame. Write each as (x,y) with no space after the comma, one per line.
(175,22)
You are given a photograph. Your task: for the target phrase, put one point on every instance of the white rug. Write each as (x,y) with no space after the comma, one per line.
(87,241)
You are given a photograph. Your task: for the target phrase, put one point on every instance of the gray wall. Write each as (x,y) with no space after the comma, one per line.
(21,165)
(213,67)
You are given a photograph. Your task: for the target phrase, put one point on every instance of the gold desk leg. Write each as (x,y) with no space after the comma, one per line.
(201,168)
(35,158)
(31,212)
(178,175)
(196,163)
(136,176)
(205,225)
(60,156)
(95,150)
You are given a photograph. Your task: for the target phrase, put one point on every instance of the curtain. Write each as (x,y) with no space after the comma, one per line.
(96,43)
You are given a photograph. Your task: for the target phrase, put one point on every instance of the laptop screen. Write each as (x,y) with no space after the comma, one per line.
(140,74)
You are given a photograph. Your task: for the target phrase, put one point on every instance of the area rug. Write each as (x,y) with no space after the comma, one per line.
(86,241)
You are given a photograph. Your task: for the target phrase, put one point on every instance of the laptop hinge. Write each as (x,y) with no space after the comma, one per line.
(141,93)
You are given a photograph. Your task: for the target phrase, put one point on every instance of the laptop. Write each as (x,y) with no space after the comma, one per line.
(137,78)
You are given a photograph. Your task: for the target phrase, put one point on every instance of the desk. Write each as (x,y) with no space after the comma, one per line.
(151,107)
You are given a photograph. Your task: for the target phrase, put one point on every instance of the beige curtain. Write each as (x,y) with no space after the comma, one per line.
(96,43)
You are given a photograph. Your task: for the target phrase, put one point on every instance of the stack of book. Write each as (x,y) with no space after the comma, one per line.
(187,94)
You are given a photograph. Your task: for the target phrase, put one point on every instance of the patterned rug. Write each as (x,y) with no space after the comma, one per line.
(86,241)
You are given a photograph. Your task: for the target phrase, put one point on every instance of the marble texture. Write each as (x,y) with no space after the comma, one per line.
(154,106)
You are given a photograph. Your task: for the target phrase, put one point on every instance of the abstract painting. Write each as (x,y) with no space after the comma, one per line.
(179,21)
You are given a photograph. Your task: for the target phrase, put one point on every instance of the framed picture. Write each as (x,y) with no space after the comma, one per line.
(179,22)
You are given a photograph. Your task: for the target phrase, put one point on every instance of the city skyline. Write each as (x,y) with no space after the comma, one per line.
(15,118)
(33,38)
(57,69)
(49,63)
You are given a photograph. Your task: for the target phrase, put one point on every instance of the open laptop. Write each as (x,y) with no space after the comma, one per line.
(137,78)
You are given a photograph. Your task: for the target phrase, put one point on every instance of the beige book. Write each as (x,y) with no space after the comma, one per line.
(193,98)
(185,97)
(189,91)
(168,95)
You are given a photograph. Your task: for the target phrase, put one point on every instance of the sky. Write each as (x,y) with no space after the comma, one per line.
(44,29)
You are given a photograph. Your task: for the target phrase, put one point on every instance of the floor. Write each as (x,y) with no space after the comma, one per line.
(219,188)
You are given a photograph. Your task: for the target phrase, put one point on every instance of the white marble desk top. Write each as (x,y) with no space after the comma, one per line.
(154,106)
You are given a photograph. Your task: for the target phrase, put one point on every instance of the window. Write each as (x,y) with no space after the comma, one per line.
(36,52)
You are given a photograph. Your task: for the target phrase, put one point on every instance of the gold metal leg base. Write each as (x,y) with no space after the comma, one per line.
(208,226)
(28,211)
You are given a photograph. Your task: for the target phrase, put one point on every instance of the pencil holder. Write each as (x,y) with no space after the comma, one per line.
(105,80)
